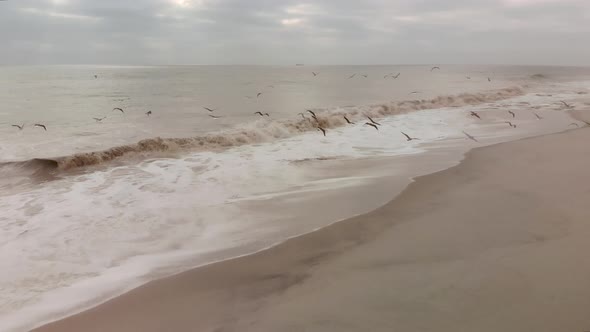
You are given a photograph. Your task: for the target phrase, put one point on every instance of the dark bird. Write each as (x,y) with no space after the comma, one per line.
(538,116)
(365,76)
(118,109)
(470,137)
(396,76)
(314,74)
(148,113)
(312,113)
(209,109)
(475,115)
(433,68)
(267,114)
(259,94)
(213,116)
(408,137)
(19,127)
(372,125)
(489,79)
(345,118)
(351,76)
(566,104)
(373,121)
(99,119)
(575,124)
(259,113)
(40,125)
(322,130)
(510,124)
(95,76)
(513,115)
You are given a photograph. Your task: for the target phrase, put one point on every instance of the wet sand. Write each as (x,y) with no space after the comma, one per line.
(497,243)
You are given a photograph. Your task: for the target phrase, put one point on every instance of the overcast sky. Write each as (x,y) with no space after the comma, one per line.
(293,31)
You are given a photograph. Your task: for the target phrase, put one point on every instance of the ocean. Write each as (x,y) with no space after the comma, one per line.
(92,208)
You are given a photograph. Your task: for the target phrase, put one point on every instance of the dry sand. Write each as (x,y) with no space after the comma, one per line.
(500,242)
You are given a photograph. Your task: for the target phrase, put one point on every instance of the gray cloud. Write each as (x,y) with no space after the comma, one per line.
(289,31)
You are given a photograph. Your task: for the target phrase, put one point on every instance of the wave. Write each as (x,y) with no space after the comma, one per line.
(265,130)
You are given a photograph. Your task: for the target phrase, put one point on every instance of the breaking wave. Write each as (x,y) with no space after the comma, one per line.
(264,130)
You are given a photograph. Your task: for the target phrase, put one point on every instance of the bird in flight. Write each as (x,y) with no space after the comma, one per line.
(566,104)
(473,113)
(470,137)
(433,68)
(414,92)
(99,119)
(372,125)
(19,127)
(489,79)
(373,121)
(312,113)
(209,109)
(259,94)
(95,76)
(510,124)
(40,125)
(315,74)
(408,137)
(259,113)
(512,113)
(468,77)
(365,75)
(538,116)
(118,109)
(214,116)
(351,76)
(396,76)
(345,118)
(148,113)
(322,130)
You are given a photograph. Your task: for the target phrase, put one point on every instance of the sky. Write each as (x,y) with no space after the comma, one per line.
(285,32)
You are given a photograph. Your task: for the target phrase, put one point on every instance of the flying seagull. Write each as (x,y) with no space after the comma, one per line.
(470,137)
(473,113)
(396,76)
(209,109)
(312,113)
(489,79)
(433,68)
(148,113)
(118,109)
(213,116)
(40,125)
(19,127)
(365,75)
(259,94)
(413,92)
(408,137)
(513,115)
(373,121)
(468,77)
(510,124)
(314,74)
(95,76)
(259,113)
(372,125)
(351,76)
(322,130)
(538,116)
(566,104)
(345,118)
(99,119)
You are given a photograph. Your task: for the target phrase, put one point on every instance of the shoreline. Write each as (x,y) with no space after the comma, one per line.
(308,250)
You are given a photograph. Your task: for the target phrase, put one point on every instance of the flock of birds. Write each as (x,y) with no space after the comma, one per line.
(372,123)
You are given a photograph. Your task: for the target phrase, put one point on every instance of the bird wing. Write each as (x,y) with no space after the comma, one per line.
(408,137)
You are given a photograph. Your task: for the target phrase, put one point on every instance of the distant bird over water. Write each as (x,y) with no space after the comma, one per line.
(434,68)
(351,76)
(372,125)
(373,121)
(315,74)
(214,116)
(348,121)
(512,113)
(99,119)
(259,94)
(19,127)
(148,113)
(118,109)
(312,113)
(470,137)
(473,113)
(209,109)
(566,104)
(322,130)
(510,124)
(261,114)
(408,138)
(40,125)
(538,116)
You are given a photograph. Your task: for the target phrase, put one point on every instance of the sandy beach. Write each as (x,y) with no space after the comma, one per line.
(497,243)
